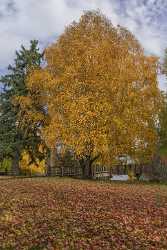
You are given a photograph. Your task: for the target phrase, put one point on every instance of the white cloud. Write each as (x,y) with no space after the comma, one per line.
(22,20)
(162,82)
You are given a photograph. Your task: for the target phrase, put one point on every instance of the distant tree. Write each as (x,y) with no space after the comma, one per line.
(17,132)
(100,91)
(162,125)
(164,65)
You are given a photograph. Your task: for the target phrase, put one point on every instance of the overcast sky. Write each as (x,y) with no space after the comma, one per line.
(23,20)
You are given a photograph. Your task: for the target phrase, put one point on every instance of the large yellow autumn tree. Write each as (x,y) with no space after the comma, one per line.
(100,91)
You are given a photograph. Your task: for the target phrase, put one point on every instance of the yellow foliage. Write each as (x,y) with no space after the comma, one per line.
(31,169)
(100,91)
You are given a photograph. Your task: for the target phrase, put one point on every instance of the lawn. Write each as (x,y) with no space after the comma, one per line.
(55,213)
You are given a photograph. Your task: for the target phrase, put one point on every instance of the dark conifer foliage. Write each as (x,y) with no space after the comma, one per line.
(14,135)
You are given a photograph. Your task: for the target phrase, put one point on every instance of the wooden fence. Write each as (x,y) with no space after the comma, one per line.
(99,172)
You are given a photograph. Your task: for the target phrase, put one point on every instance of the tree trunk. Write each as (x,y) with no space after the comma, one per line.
(47,165)
(86,165)
(87,169)
(52,162)
(62,171)
(15,168)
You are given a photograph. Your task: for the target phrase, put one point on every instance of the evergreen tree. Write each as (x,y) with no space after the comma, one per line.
(162,126)
(16,135)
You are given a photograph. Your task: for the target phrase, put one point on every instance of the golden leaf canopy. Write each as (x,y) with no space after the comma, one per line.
(100,90)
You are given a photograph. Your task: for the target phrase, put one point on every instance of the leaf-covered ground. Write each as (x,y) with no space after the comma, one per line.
(54,213)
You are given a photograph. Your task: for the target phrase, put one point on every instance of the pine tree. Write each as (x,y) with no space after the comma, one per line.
(16,135)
